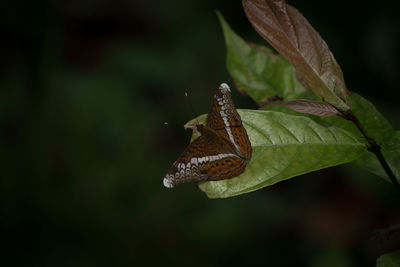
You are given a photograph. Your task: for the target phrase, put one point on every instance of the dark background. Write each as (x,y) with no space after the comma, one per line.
(86,87)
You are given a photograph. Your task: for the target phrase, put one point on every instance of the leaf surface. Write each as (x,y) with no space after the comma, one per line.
(286,29)
(259,72)
(391,152)
(379,129)
(285,146)
(311,107)
(375,125)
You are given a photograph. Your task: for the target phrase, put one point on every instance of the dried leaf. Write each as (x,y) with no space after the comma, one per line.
(285,28)
(311,107)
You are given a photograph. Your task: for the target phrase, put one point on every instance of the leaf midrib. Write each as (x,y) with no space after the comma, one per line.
(299,144)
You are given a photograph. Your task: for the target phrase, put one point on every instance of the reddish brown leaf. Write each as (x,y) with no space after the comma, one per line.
(285,28)
(311,107)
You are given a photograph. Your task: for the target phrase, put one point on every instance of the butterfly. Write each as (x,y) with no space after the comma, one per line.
(222,150)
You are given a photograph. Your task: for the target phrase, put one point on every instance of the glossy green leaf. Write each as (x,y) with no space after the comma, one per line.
(381,131)
(391,152)
(371,119)
(375,125)
(258,71)
(389,260)
(285,146)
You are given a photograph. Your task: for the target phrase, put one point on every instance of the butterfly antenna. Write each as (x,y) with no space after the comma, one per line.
(190,105)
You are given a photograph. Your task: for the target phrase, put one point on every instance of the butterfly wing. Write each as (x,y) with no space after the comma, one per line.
(209,157)
(226,122)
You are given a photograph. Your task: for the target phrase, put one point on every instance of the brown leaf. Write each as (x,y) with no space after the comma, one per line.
(311,107)
(286,29)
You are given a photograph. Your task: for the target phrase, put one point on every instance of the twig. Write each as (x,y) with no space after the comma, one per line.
(373,146)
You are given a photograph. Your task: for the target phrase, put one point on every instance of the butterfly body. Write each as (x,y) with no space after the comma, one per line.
(222,150)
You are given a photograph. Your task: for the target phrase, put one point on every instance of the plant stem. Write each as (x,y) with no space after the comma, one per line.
(372,146)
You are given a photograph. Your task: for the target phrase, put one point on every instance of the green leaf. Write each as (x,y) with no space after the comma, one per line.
(288,31)
(371,119)
(391,152)
(258,71)
(285,146)
(375,125)
(389,260)
(381,131)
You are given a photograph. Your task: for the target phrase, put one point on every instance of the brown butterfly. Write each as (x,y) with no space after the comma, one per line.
(223,149)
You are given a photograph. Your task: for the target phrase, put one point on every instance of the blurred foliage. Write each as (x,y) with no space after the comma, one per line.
(86,87)
(389,260)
